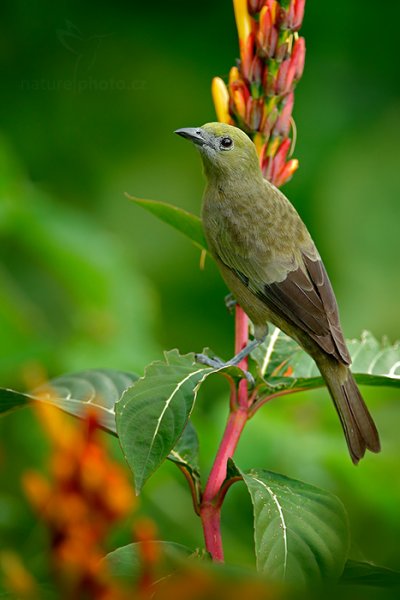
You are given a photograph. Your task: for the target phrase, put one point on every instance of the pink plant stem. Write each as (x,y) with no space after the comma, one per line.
(210,509)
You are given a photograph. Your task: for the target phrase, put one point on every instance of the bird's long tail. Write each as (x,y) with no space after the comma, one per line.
(358,425)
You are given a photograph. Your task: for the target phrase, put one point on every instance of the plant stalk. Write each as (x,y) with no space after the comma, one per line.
(210,508)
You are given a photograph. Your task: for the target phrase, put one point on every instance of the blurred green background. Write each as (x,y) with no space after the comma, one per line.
(90,95)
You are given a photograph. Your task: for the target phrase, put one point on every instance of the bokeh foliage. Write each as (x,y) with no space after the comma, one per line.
(89,280)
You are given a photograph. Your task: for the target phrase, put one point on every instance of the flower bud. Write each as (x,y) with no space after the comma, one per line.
(283,79)
(256,71)
(280,158)
(270,116)
(254,111)
(298,57)
(247,55)
(240,95)
(267,35)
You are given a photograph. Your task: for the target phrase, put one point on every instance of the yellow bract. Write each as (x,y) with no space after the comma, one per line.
(220,97)
(243,19)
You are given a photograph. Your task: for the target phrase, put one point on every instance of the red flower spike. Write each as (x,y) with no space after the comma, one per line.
(282,125)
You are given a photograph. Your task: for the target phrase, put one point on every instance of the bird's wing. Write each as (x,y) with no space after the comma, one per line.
(301,293)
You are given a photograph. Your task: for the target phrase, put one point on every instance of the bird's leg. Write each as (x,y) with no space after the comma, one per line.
(230,302)
(245,352)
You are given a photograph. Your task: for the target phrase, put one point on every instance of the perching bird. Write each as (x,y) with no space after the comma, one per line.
(272,266)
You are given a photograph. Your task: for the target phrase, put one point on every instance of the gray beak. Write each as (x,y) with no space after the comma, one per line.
(194,134)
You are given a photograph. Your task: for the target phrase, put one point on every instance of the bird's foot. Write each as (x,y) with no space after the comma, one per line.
(217,363)
(230,302)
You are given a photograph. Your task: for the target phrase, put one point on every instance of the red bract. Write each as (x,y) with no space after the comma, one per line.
(296,14)
(282,125)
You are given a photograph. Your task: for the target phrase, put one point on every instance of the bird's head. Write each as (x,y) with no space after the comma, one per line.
(226,150)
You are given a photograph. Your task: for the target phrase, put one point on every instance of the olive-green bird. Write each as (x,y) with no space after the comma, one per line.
(272,266)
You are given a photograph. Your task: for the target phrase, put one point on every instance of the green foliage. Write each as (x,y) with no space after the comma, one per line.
(301,532)
(285,366)
(157,408)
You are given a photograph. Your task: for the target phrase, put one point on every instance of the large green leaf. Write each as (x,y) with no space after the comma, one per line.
(185,222)
(285,366)
(100,388)
(368,574)
(126,562)
(74,392)
(301,532)
(153,414)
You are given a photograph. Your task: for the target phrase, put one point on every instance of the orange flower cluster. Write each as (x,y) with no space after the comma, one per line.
(260,94)
(88,494)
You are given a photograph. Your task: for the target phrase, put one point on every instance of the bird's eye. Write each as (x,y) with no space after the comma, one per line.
(226,143)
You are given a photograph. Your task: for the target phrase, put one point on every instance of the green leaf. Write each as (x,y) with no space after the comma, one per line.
(185,222)
(100,388)
(152,415)
(125,563)
(73,393)
(367,574)
(285,366)
(301,532)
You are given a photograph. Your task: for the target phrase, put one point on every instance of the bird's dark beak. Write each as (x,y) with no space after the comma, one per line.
(194,134)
